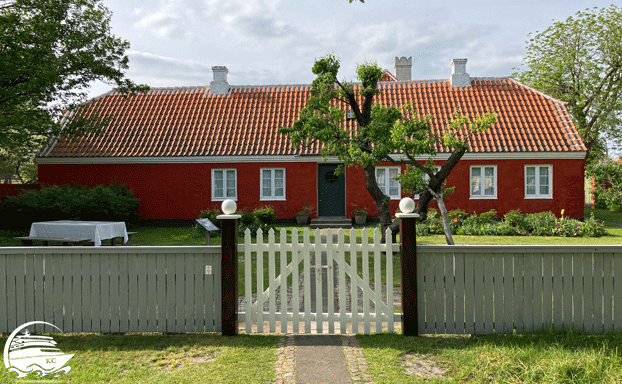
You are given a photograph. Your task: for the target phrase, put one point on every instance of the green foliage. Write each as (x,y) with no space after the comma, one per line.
(592,228)
(52,50)
(578,61)
(247,218)
(265,215)
(101,203)
(488,217)
(541,223)
(515,218)
(458,214)
(607,183)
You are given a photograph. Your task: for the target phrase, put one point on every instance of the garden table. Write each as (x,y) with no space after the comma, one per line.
(95,231)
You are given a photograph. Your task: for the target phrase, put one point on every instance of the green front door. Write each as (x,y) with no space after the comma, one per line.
(331,191)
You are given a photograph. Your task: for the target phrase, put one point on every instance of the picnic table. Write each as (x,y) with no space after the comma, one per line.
(77,232)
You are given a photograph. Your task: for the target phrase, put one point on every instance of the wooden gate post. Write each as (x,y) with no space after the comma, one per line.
(229,268)
(408,274)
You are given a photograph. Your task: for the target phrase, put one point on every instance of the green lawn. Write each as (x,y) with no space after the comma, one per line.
(157,358)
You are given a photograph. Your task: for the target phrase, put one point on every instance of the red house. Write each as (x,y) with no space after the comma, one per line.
(183,150)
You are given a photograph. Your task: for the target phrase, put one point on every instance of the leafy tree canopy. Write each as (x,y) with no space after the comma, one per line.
(50,51)
(579,61)
(378,133)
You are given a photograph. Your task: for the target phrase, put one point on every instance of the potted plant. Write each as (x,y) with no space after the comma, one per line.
(360,216)
(302,217)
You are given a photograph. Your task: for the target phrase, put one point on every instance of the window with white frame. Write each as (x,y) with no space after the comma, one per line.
(224,184)
(385,176)
(273,184)
(484,182)
(538,181)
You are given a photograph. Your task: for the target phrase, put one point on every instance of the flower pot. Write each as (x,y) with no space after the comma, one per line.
(302,219)
(360,218)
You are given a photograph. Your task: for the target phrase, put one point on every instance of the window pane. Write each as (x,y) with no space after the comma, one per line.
(544,189)
(476,181)
(393,191)
(489,171)
(218,175)
(278,173)
(393,173)
(266,174)
(380,178)
(279,192)
(267,192)
(490,186)
(531,171)
(231,174)
(278,183)
(530,181)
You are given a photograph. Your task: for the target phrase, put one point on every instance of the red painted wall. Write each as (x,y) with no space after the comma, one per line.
(568,193)
(16,189)
(181,191)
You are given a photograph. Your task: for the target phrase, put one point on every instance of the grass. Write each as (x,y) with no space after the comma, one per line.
(149,358)
(542,357)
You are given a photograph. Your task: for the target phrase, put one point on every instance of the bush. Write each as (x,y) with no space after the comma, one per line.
(247,218)
(515,219)
(101,203)
(488,217)
(265,215)
(541,223)
(592,228)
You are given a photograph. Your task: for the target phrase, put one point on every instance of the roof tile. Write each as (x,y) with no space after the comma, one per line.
(191,121)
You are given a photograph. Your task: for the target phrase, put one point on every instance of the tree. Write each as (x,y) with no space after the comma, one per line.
(380,133)
(50,51)
(607,182)
(580,61)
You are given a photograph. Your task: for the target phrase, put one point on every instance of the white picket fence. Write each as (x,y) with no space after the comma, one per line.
(290,255)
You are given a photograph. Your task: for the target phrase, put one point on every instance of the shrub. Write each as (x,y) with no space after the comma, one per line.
(592,228)
(247,218)
(488,217)
(515,218)
(541,223)
(265,215)
(101,203)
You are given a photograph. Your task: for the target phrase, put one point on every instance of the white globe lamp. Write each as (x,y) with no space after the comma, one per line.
(407,205)
(229,207)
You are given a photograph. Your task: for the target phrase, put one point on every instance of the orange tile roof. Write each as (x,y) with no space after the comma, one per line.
(179,122)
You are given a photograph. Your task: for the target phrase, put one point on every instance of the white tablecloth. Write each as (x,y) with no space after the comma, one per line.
(96,231)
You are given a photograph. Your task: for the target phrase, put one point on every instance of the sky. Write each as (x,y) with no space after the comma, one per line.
(176,42)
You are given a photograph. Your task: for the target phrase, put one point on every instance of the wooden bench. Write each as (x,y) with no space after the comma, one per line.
(28,241)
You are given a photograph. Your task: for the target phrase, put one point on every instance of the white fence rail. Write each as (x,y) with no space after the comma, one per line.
(306,263)
(484,289)
(112,289)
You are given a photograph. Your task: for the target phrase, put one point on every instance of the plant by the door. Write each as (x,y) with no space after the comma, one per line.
(302,217)
(360,216)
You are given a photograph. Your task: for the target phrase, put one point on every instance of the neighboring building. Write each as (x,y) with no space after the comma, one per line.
(183,150)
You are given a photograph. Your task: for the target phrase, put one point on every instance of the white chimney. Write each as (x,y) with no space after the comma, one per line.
(219,85)
(459,77)
(403,68)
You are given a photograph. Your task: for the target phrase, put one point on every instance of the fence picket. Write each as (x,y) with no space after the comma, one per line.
(377,280)
(248,281)
(29,300)
(354,290)
(161,280)
(39,295)
(284,278)
(330,281)
(547,290)
(95,304)
(489,300)
(295,281)
(577,294)
(450,319)
(271,281)
(306,255)
(318,282)
(528,293)
(366,291)
(588,293)
(567,290)
(598,293)
(557,292)
(608,287)
(20,291)
(499,305)
(188,299)
(459,288)
(617,293)
(341,255)
(259,301)
(478,274)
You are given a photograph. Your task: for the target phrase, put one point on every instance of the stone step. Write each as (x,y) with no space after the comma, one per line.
(331,222)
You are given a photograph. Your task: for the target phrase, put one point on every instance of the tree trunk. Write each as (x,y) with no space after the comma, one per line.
(446,223)
(381,200)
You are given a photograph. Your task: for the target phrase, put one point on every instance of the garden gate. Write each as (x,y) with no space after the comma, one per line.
(324,280)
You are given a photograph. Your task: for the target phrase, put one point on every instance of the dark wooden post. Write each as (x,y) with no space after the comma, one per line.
(229,268)
(408,274)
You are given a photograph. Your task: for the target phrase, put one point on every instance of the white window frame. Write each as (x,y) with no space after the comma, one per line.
(426,177)
(538,195)
(272,185)
(385,187)
(225,171)
(482,185)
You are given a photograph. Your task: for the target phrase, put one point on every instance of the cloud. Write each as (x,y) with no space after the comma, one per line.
(160,71)
(163,25)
